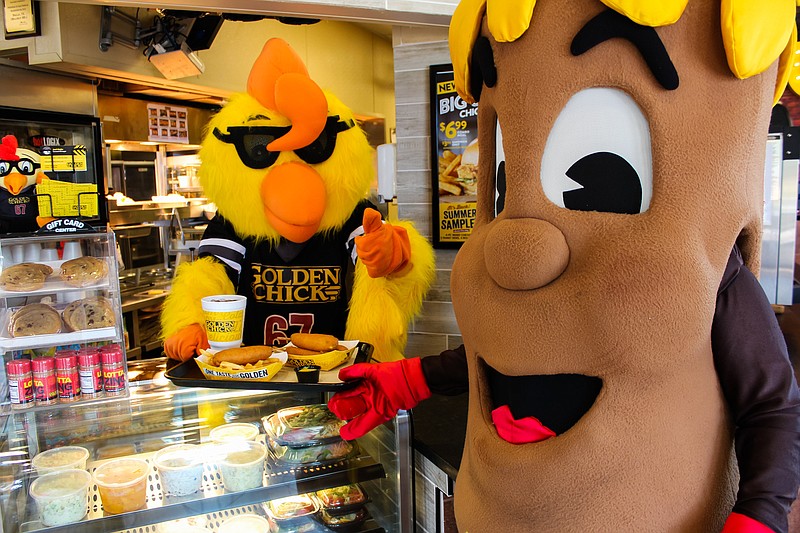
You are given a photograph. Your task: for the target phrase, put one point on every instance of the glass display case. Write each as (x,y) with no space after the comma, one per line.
(61,329)
(206,482)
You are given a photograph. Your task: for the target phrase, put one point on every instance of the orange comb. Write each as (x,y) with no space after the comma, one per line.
(279,81)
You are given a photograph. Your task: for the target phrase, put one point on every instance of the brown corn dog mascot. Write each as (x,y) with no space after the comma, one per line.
(617,346)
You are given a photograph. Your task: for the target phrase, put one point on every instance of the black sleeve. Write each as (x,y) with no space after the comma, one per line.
(446,373)
(758,382)
(221,242)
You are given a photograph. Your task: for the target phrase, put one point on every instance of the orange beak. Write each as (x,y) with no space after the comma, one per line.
(294,199)
(15,182)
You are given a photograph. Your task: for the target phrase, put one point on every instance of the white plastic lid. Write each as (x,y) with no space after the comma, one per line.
(60,484)
(121,472)
(61,459)
(178,457)
(236,431)
(243,453)
(250,523)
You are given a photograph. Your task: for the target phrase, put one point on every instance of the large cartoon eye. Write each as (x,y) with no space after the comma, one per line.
(25,167)
(598,156)
(5,168)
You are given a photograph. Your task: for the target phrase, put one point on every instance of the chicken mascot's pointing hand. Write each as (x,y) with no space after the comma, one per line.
(289,171)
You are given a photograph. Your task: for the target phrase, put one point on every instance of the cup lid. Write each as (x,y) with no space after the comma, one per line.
(234,431)
(121,472)
(63,456)
(61,483)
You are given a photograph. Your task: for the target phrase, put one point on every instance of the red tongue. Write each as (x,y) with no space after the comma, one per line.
(523,431)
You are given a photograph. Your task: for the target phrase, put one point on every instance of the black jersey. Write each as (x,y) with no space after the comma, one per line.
(18,212)
(290,287)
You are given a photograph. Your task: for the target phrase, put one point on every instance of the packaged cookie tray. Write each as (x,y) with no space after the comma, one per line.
(45,277)
(55,334)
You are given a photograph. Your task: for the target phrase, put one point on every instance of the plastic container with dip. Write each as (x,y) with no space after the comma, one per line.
(61,496)
(67,457)
(234,432)
(180,468)
(251,523)
(242,465)
(122,484)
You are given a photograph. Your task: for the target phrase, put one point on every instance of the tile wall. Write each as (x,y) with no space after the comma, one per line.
(415,49)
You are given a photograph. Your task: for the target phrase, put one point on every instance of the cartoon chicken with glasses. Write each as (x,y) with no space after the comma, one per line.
(19,175)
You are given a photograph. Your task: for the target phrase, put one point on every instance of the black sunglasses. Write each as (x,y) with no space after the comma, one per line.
(251,142)
(23,166)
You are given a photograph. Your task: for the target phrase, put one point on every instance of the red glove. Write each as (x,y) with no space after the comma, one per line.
(739,523)
(186,343)
(385,388)
(384,249)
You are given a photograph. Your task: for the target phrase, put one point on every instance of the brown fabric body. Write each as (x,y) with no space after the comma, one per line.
(635,303)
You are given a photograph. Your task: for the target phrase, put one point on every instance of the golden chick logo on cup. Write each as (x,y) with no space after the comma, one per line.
(224,317)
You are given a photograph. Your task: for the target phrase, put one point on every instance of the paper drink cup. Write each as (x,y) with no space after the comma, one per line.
(224,316)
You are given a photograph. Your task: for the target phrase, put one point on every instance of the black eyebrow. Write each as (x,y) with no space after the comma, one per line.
(610,24)
(257,117)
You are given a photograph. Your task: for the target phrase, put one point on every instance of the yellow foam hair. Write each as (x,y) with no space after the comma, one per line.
(193,281)
(465,26)
(398,298)
(236,188)
(509,20)
(652,13)
(754,32)
(786,66)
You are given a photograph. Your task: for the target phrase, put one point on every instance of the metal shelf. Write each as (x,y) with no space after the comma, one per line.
(279,481)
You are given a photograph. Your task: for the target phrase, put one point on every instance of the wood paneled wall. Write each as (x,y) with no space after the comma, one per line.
(415,49)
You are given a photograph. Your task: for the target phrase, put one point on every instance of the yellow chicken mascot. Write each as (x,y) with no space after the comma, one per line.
(289,171)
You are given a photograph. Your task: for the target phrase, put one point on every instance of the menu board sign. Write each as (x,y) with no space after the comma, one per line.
(167,123)
(454,152)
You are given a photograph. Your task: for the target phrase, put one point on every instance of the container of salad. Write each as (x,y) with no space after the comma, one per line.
(292,511)
(342,500)
(305,425)
(61,496)
(330,451)
(343,522)
(323,454)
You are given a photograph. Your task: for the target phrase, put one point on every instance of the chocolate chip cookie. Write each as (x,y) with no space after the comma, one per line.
(84,271)
(89,313)
(24,277)
(34,319)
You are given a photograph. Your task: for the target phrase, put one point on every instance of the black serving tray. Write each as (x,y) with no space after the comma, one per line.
(188,374)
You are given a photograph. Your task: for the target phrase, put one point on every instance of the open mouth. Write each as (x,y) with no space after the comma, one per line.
(557,401)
